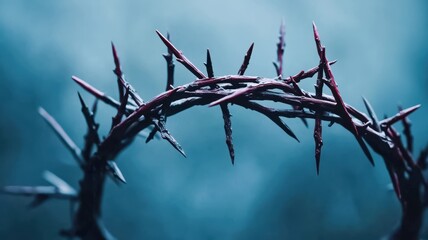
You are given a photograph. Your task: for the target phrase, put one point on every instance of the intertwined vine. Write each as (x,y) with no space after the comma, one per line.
(97,157)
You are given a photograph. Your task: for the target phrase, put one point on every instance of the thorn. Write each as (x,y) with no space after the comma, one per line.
(121,110)
(96,93)
(63,136)
(169,39)
(372,114)
(209,65)
(228,130)
(88,87)
(296,87)
(82,103)
(115,171)
(116,60)
(62,186)
(283,126)
(343,112)
(318,142)
(152,134)
(407,132)
(236,94)
(94,107)
(118,72)
(384,124)
(246,60)
(167,136)
(365,149)
(180,57)
(170,67)
(305,122)
(317,39)
(280,46)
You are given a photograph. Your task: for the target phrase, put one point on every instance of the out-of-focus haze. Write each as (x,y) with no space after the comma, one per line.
(273,191)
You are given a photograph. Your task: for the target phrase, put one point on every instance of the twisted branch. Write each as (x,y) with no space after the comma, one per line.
(251,92)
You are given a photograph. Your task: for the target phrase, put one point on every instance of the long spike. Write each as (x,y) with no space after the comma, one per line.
(151,135)
(228,131)
(227,98)
(170,67)
(246,61)
(318,123)
(62,185)
(372,114)
(318,142)
(97,93)
(209,65)
(34,191)
(118,72)
(365,149)
(317,39)
(122,83)
(331,83)
(280,47)
(115,172)
(29,191)
(407,132)
(63,136)
(398,117)
(283,126)
(180,57)
(165,134)
(94,107)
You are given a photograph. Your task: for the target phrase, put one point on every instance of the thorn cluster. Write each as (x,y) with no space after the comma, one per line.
(133,115)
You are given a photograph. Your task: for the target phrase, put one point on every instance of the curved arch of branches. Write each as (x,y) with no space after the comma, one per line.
(97,156)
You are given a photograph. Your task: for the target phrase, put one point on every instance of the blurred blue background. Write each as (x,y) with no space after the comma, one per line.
(272,192)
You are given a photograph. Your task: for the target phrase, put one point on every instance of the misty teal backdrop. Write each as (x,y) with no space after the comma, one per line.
(273,191)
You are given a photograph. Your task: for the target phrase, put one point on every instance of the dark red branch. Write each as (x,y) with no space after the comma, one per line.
(245,91)
(331,83)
